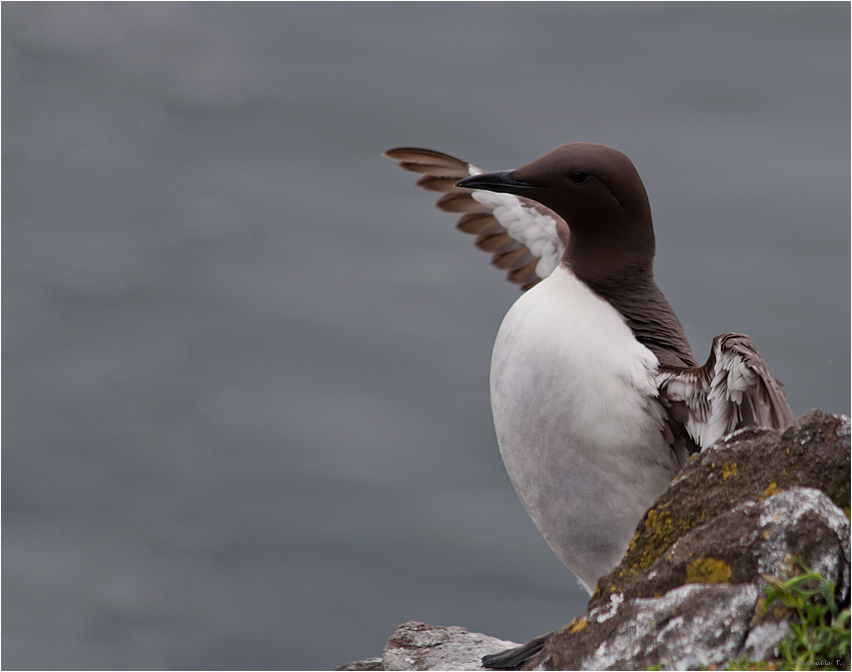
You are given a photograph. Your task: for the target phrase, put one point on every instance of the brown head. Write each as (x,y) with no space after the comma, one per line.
(598,192)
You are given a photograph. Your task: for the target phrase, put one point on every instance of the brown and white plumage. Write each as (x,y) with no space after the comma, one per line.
(525,239)
(596,395)
(732,390)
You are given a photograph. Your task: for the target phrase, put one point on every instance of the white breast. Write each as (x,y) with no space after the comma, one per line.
(572,393)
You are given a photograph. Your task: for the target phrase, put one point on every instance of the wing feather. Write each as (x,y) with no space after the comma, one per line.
(498,243)
(480,224)
(734,389)
(512,261)
(410,157)
(524,238)
(441,171)
(461,201)
(526,276)
(438,183)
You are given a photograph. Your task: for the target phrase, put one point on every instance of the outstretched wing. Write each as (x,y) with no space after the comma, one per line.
(524,238)
(734,389)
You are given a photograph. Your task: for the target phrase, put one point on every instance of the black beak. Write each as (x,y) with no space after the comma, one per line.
(502,181)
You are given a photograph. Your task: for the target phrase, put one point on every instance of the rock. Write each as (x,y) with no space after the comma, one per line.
(706,604)
(749,465)
(689,626)
(417,646)
(368,664)
(752,539)
(688,591)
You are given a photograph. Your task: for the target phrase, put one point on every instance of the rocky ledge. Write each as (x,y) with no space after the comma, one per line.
(688,592)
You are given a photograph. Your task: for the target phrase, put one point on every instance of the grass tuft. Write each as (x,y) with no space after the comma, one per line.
(819,633)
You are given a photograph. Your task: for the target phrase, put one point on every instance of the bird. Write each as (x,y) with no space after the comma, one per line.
(596,395)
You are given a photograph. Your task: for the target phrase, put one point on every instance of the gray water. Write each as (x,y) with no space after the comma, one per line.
(245,361)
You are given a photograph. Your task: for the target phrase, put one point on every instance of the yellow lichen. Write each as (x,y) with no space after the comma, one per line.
(650,518)
(659,535)
(576,625)
(729,470)
(771,490)
(708,570)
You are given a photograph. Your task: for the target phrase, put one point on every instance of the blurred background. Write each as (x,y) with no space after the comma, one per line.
(245,361)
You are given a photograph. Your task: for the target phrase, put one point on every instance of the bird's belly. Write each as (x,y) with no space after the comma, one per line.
(578,428)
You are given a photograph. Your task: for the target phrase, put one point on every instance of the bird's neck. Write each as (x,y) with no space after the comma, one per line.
(613,247)
(633,292)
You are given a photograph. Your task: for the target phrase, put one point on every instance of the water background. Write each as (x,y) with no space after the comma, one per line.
(245,361)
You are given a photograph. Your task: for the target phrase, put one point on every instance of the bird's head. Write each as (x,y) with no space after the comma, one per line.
(597,191)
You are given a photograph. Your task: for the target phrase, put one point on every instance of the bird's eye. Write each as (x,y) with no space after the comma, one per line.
(578,176)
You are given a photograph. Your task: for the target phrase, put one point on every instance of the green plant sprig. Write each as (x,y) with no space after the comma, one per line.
(819,637)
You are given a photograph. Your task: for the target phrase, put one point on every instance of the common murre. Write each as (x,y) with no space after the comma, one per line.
(596,395)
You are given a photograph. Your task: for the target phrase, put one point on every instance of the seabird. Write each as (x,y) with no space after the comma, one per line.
(596,395)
